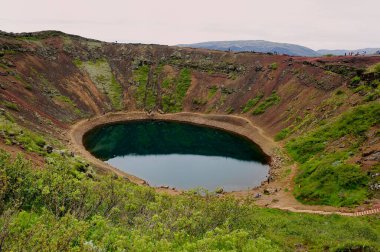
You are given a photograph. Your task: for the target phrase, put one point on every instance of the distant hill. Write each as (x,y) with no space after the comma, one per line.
(257,46)
(343,51)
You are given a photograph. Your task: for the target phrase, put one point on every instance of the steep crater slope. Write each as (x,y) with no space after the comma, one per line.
(50,80)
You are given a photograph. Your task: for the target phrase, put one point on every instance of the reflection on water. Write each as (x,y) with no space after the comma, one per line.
(191,171)
(179,155)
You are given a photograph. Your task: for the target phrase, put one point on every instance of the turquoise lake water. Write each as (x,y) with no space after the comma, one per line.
(180,155)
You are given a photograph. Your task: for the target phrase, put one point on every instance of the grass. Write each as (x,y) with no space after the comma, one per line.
(14,134)
(69,102)
(101,74)
(27,85)
(199,101)
(325,175)
(273,99)
(174,91)
(11,105)
(273,66)
(374,68)
(145,95)
(140,76)
(355,80)
(373,94)
(229,110)
(282,134)
(252,102)
(212,92)
(183,83)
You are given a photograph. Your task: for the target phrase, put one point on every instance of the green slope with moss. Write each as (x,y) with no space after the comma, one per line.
(326,177)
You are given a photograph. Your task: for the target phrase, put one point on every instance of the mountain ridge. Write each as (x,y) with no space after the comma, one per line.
(265,46)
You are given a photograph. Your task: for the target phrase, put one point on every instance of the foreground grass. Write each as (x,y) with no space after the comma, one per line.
(60,208)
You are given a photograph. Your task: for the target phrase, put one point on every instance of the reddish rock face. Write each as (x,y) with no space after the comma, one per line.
(56,79)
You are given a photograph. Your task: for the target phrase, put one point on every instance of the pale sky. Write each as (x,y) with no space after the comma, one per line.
(318,24)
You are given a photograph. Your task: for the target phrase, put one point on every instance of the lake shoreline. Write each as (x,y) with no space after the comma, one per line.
(229,123)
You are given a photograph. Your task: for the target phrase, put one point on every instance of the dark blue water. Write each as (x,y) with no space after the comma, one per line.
(180,155)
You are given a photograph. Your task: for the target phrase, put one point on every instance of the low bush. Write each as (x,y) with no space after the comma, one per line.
(273,66)
(355,80)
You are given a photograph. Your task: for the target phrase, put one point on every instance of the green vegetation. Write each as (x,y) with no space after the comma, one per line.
(205,65)
(371,90)
(374,93)
(174,91)
(199,101)
(14,134)
(8,51)
(144,94)
(183,84)
(284,133)
(59,208)
(339,92)
(325,175)
(252,102)
(10,105)
(229,110)
(374,69)
(69,102)
(18,77)
(212,92)
(355,80)
(273,99)
(273,66)
(101,74)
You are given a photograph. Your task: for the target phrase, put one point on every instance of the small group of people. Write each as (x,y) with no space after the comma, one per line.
(355,53)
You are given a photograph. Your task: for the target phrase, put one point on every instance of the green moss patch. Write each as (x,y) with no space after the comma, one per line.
(101,74)
(174,91)
(252,102)
(273,99)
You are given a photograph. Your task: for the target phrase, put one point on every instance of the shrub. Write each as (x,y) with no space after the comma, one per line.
(273,66)
(355,80)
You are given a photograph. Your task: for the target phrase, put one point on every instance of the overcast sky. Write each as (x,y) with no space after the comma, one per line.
(318,24)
